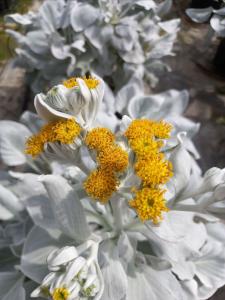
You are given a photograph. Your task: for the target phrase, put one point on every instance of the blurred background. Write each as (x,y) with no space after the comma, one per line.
(193,68)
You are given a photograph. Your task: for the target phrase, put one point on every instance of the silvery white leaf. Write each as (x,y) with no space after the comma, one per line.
(59,48)
(170,26)
(139,287)
(109,121)
(32,121)
(162,47)
(38,245)
(182,124)
(190,288)
(146,4)
(217,23)
(163,284)
(115,278)
(124,37)
(145,282)
(157,263)
(25,185)
(83,15)
(158,106)
(37,41)
(164,7)
(13,137)
(61,256)
(124,95)
(212,178)
(125,122)
(189,239)
(199,15)
(5,214)
(219,192)
(16,232)
(126,250)
(50,15)
(23,20)
(18,37)
(99,39)
(29,286)
(108,100)
(29,60)
(11,286)
(210,269)
(10,205)
(220,12)
(135,56)
(34,196)
(216,231)
(182,225)
(79,45)
(67,207)
(40,210)
(4,241)
(8,260)
(182,165)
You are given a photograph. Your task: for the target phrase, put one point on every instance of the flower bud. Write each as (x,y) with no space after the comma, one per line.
(73,275)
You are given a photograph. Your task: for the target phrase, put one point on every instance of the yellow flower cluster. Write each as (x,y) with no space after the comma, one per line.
(63,131)
(99,139)
(149,203)
(60,294)
(145,139)
(91,83)
(100,184)
(112,159)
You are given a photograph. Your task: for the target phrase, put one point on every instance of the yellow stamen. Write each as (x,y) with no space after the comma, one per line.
(113,158)
(139,128)
(101,184)
(162,129)
(155,171)
(145,146)
(144,128)
(60,294)
(91,82)
(99,139)
(149,204)
(34,145)
(63,131)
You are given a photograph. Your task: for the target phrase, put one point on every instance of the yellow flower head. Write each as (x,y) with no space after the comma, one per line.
(144,128)
(34,145)
(161,129)
(145,146)
(91,82)
(99,139)
(140,128)
(101,184)
(113,158)
(63,131)
(154,171)
(149,204)
(60,294)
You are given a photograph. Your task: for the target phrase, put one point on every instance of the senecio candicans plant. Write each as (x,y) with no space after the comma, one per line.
(216,16)
(113,38)
(120,212)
